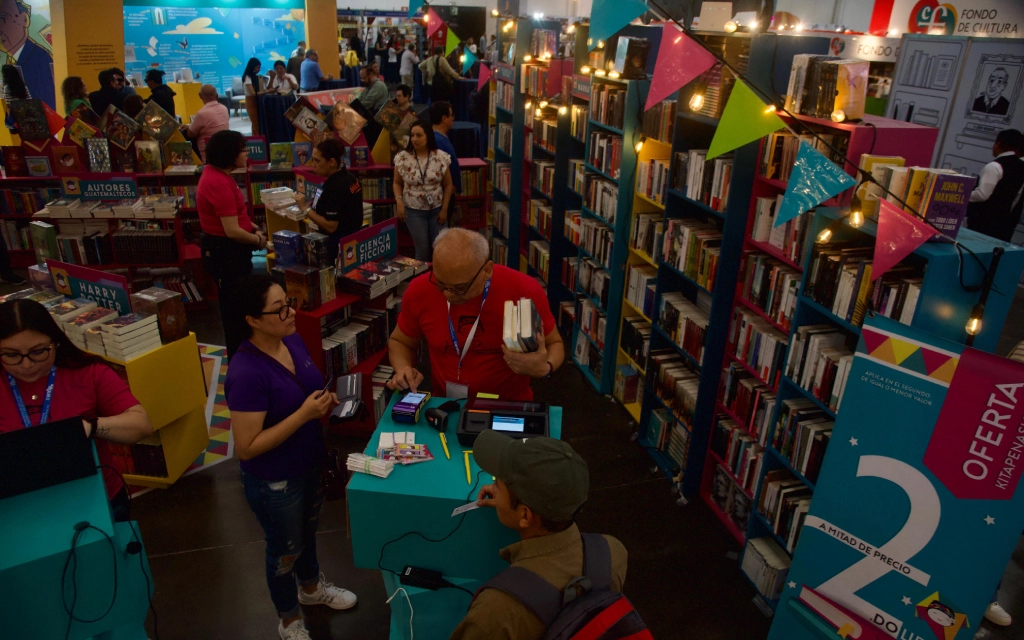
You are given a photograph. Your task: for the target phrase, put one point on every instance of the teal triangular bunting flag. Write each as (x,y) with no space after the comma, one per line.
(469,61)
(414,6)
(608,16)
(814,180)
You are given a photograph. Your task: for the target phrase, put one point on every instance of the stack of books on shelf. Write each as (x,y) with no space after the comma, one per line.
(659,120)
(940,195)
(546,133)
(539,256)
(669,435)
(635,339)
(130,336)
(652,180)
(578,121)
(76,327)
(673,380)
(472,183)
(730,498)
(741,453)
(640,284)
(256,188)
(136,245)
(501,218)
(601,196)
(79,242)
(781,148)
(594,280)
(570,272)
(818,84)
(15,237)
(379,389)
(767,566)
(380,188)
(577,175)
(721,80)
(504,140)
(784,503)
(706,181)
(25,202)
(597,238)
(789,237)
(685,323)
(542,176)
(648,235)
(174,279)
(571,228)
(802,435)
(506,96)
(372,279)
(592,321)
(749,400)
(606,152)
(820,361)
(503,177)
(626,388)
(771,286)
(365,334)
(281,200)
(566,317)
(608,104)
(539,217)
(693,248)
(760,345)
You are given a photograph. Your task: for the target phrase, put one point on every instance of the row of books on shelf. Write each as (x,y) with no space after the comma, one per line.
(597,239)
(790,237)
(378,188)
(730,498)
(539,257)
(535,76)
(570,272)
(840,280)
(759,345)
(365,333)
(504,140)
(626,387)
(373,279)
(819,362)
(178,280)
(940,195)
(693,248)
(652,180)
(503,177)
(25,202)
(592,321)
(601,196)
(499,251)
(578,115)
(500,218)
(542,176)
(146,207)
(577,175)
(739,451)
(767,566)
(685,323)
(16,237)
(608,104)
(749,399)
(635,339)
(706,181)
(539,217)
(543,41)
(566,318)
(594,280)
(659,121)
(640,284)
(571,226)
(379,390)
(820,84)
(720,80)
(778,155)
(588,355)
(545,133)
(802,435)
(144,458)
(667,434)
(605,152)
(673,379)
(648,234)
(771,286)
(784,502)
(473,182)
(505,96)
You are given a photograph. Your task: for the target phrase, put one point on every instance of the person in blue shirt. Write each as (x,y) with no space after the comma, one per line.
(310,72)
(442,118)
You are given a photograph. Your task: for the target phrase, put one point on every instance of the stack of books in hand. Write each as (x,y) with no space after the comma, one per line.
(522,326)
(130,336)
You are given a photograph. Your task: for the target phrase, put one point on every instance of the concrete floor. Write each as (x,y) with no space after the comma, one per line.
(206,548)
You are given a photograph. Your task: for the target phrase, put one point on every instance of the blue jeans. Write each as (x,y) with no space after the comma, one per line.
(423,227)
(289,512)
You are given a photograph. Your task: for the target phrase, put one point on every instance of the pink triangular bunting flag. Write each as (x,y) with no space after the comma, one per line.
(899,233)
(872,340)
(933,359)
(434,22)
(485,75)
(679,61)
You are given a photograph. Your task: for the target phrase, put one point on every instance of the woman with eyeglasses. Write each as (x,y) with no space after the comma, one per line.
(277,398)
(423,187)
(47,378)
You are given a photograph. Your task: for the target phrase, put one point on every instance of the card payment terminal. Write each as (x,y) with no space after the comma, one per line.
(515,419)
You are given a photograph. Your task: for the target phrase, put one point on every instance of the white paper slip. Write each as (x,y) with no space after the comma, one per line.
(469,506)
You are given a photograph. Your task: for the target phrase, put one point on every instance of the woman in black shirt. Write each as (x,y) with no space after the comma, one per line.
(339,209)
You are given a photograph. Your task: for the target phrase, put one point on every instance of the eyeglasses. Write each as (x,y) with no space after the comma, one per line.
(35,355)
(282,312)
(458,289)
(118,79)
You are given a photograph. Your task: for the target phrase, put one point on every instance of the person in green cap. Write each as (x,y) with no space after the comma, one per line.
(540,485)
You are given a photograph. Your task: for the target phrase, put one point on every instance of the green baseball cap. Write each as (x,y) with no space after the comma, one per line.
(544,473)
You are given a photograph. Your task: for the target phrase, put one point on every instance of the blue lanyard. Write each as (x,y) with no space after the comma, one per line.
(472,332)
(45,416)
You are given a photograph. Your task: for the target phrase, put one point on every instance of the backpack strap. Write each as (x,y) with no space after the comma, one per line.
(534,592)
(597,561)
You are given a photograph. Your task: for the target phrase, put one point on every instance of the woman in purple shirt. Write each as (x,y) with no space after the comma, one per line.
(274,393)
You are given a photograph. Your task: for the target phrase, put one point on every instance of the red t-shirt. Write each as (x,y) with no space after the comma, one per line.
(94,391)
(219,197)
(425,312)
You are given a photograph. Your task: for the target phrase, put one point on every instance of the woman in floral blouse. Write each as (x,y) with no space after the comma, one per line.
(423,188)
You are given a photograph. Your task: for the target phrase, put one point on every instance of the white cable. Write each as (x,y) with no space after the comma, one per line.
(388,601)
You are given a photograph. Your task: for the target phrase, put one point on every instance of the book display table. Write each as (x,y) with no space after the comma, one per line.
(420,498)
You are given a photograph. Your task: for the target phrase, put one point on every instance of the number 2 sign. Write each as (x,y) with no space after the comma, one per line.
(912,523)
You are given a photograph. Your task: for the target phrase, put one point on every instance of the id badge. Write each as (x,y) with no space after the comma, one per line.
(456,391)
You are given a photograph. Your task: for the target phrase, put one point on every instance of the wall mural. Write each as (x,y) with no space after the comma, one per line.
(212,43)
(25,37)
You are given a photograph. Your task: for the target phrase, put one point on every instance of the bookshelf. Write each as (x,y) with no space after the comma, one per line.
(20,198)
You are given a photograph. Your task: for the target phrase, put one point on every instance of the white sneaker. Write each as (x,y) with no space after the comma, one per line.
(330,595)
(997,615)
(294,631)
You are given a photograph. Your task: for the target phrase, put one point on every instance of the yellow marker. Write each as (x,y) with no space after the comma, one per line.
(444,443)
(489,396)
(469,477)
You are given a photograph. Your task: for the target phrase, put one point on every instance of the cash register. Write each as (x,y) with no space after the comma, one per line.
(515,419)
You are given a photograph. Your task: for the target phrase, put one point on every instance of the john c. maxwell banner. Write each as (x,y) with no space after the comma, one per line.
(916,510)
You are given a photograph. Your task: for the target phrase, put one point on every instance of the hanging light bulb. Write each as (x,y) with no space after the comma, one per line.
(973,327)
(508,25)
(529,104)
(825,235)
(494,13)
(614,75)
(855,219)
(770,109)
(730,27)
(599,73)
(527,58)
(799,26)
(600,44)
(838,115)
(590,41)
(640,145)
(543,103)
(538,113)
(696,101)
(462,58)
(585,70)
(572,28)
(562,110)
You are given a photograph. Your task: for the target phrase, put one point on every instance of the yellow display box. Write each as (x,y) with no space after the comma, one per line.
(187,102)
(182,440)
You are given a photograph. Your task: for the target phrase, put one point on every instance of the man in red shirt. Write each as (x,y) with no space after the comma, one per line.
(464,297)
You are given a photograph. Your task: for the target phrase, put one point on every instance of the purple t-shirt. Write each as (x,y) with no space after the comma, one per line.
(256,382)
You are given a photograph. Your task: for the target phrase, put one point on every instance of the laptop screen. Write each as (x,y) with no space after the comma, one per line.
(44,456)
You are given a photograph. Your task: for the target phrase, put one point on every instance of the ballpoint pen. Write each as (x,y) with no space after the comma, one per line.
(469,477)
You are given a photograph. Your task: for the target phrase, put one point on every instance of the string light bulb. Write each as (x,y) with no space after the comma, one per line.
(799,26)
(696,101)
(599,73)
(527,58)
(770,109)
(838,115)
(640,145)
(855,219)
(825,235)
(508,25)
(600,44)
(614,75)
(543,103)
(494,13)
(529,104)
(538,112)
(974,323)
(572,28)
(462,58)
(590,41)
(562,110)
(730,27)
(585,70)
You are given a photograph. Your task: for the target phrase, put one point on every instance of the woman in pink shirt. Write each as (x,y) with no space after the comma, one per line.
(229,236)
